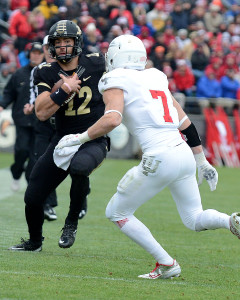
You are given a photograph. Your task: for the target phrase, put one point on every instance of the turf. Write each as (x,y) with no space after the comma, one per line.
(103,263)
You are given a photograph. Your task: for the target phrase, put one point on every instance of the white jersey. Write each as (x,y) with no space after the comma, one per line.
(148,113)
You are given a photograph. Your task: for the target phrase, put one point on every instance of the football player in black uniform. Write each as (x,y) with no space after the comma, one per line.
(44,131)
(77,104)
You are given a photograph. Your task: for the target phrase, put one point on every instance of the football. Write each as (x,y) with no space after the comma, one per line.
(57,85)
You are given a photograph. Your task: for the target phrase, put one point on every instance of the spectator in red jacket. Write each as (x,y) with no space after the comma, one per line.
(229,63)
(147,39)
(14,4)
(168,35)
(104,47)
(236,51)
(19,28)
(238,94)
(167,5)
(167,70)
(122,12)
(215,64)
(184,78)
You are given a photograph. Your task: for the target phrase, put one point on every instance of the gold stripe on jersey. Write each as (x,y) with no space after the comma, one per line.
(44,84)
(93,54)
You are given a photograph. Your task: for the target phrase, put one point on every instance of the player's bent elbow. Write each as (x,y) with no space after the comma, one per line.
(114,122)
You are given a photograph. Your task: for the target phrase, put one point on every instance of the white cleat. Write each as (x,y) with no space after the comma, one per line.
(235,224)
(163,271)
(15,186)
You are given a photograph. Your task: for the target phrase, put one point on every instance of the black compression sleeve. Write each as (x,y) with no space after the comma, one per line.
(191,136)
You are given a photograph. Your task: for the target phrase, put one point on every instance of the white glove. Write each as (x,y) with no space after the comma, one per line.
(72,140)
(207,171)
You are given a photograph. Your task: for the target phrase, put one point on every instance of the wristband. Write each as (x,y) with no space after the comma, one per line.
(68,86)
(84,137)
(59,96)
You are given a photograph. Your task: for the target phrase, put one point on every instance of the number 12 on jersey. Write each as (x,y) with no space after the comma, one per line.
(162,95)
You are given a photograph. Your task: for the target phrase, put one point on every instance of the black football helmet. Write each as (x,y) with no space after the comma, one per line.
(61,29)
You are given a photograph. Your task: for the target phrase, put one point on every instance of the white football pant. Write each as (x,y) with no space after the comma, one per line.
(174,167)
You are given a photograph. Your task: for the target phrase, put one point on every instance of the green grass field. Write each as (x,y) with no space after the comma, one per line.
(103,263)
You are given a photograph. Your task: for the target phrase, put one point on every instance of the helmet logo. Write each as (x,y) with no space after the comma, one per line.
(78,30)
(135,59)
(61,27)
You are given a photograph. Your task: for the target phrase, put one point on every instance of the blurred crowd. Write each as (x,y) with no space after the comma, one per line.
(195,43)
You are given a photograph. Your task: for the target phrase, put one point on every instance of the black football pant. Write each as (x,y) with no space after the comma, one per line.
(42,141)
(23,152)
(46,176)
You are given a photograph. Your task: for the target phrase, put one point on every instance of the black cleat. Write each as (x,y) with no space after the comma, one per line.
(67,238)
(49,213)
(27,245)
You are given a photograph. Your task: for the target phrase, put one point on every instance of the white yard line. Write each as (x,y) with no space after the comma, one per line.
(82,277)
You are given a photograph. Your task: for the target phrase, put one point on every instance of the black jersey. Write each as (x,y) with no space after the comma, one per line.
(87,106)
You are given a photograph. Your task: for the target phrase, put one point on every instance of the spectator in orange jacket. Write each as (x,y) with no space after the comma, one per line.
(184,78)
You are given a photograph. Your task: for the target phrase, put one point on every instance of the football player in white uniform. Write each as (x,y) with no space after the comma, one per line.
(140,98)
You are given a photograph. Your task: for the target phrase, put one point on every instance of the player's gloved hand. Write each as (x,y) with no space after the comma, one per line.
(207,171)
(72,140)
(68,141)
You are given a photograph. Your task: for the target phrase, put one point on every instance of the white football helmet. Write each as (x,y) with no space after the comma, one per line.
(126,51)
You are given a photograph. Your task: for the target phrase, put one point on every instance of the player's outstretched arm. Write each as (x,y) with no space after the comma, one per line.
(187,128)
(114,103)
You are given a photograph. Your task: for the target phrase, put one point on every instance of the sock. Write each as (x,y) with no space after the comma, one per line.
(141,235)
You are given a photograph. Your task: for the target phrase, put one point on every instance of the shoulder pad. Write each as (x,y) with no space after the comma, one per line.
(95,58)
(44,64)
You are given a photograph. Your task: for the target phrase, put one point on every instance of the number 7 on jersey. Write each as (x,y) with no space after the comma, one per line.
(162,95)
